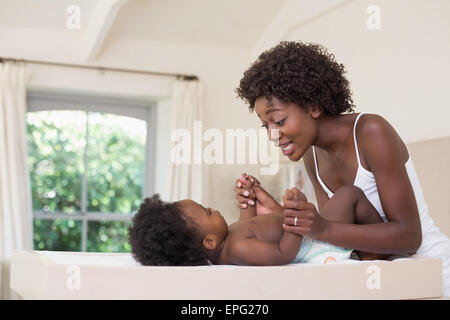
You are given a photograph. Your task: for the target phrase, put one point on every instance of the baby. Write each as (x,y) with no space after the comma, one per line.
(186,233)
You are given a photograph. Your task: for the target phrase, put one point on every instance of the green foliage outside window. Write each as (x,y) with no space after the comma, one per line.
(109,152)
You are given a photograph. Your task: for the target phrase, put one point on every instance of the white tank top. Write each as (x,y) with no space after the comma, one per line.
(434,243)
(365,180)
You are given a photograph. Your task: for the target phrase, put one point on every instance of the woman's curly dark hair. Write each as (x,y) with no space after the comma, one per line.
(161,235)
(305,74)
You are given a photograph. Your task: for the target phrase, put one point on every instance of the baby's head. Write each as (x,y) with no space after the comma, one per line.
(180,233)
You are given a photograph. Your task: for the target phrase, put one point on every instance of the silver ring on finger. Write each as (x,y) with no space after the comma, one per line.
(295,221)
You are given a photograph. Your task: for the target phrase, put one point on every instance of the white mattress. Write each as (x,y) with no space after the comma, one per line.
(50,275)
(126,260)
(90,259)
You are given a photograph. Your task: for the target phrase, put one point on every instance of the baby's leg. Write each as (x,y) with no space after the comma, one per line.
(350,205)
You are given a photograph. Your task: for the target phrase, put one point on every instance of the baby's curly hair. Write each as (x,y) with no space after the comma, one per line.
(302,73)
(161,235)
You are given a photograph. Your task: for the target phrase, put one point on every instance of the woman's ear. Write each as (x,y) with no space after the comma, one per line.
(210,241)
(315,112)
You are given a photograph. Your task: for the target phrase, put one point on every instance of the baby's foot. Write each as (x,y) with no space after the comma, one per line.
(294,194)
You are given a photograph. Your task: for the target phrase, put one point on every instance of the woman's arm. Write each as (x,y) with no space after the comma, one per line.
(384,152)
(380,146)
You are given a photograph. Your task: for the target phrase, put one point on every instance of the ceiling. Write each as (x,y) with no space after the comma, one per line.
(230,23)
(42,14)
(223,23)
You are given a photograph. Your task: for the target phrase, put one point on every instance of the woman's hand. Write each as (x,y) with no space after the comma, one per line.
(264,202)
(308,223)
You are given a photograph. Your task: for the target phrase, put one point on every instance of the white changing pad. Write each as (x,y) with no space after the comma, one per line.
(126,259)
(77,275)
(90,258)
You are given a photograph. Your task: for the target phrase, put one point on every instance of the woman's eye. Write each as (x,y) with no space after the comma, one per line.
(264,126)
(280,123)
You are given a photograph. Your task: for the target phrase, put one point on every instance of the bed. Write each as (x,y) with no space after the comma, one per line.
(76,275)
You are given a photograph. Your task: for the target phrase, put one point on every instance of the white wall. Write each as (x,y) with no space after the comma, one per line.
(399,71)
(219,71)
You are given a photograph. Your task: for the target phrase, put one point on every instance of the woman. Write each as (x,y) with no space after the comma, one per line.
(301,95)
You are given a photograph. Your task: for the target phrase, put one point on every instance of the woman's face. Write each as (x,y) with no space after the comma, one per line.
(290,127)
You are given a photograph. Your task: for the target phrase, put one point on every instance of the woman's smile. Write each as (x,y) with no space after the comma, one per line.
(287,148)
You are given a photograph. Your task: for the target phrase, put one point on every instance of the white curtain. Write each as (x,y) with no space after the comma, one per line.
(187,178)
(15,193)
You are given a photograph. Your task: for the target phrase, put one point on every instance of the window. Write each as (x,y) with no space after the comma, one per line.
(90,162)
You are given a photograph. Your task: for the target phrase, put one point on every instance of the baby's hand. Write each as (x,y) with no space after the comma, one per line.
(244,190)
(294,194)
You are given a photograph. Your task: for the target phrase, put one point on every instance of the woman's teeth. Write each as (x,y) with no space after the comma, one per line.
(287,149)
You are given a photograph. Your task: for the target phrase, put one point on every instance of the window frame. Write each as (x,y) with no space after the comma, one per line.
(135,108)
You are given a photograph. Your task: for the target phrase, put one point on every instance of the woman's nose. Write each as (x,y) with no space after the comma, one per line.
(274,134)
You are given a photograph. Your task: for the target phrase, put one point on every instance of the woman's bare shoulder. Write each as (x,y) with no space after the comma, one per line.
(370,123)
(376,135)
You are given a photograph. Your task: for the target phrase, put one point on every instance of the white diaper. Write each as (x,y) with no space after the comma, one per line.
(314,251)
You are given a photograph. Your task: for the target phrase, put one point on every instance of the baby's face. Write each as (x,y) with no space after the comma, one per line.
(207,219)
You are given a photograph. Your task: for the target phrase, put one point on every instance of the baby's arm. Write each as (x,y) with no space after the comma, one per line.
(246,182)
(254,252)
(251,251)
